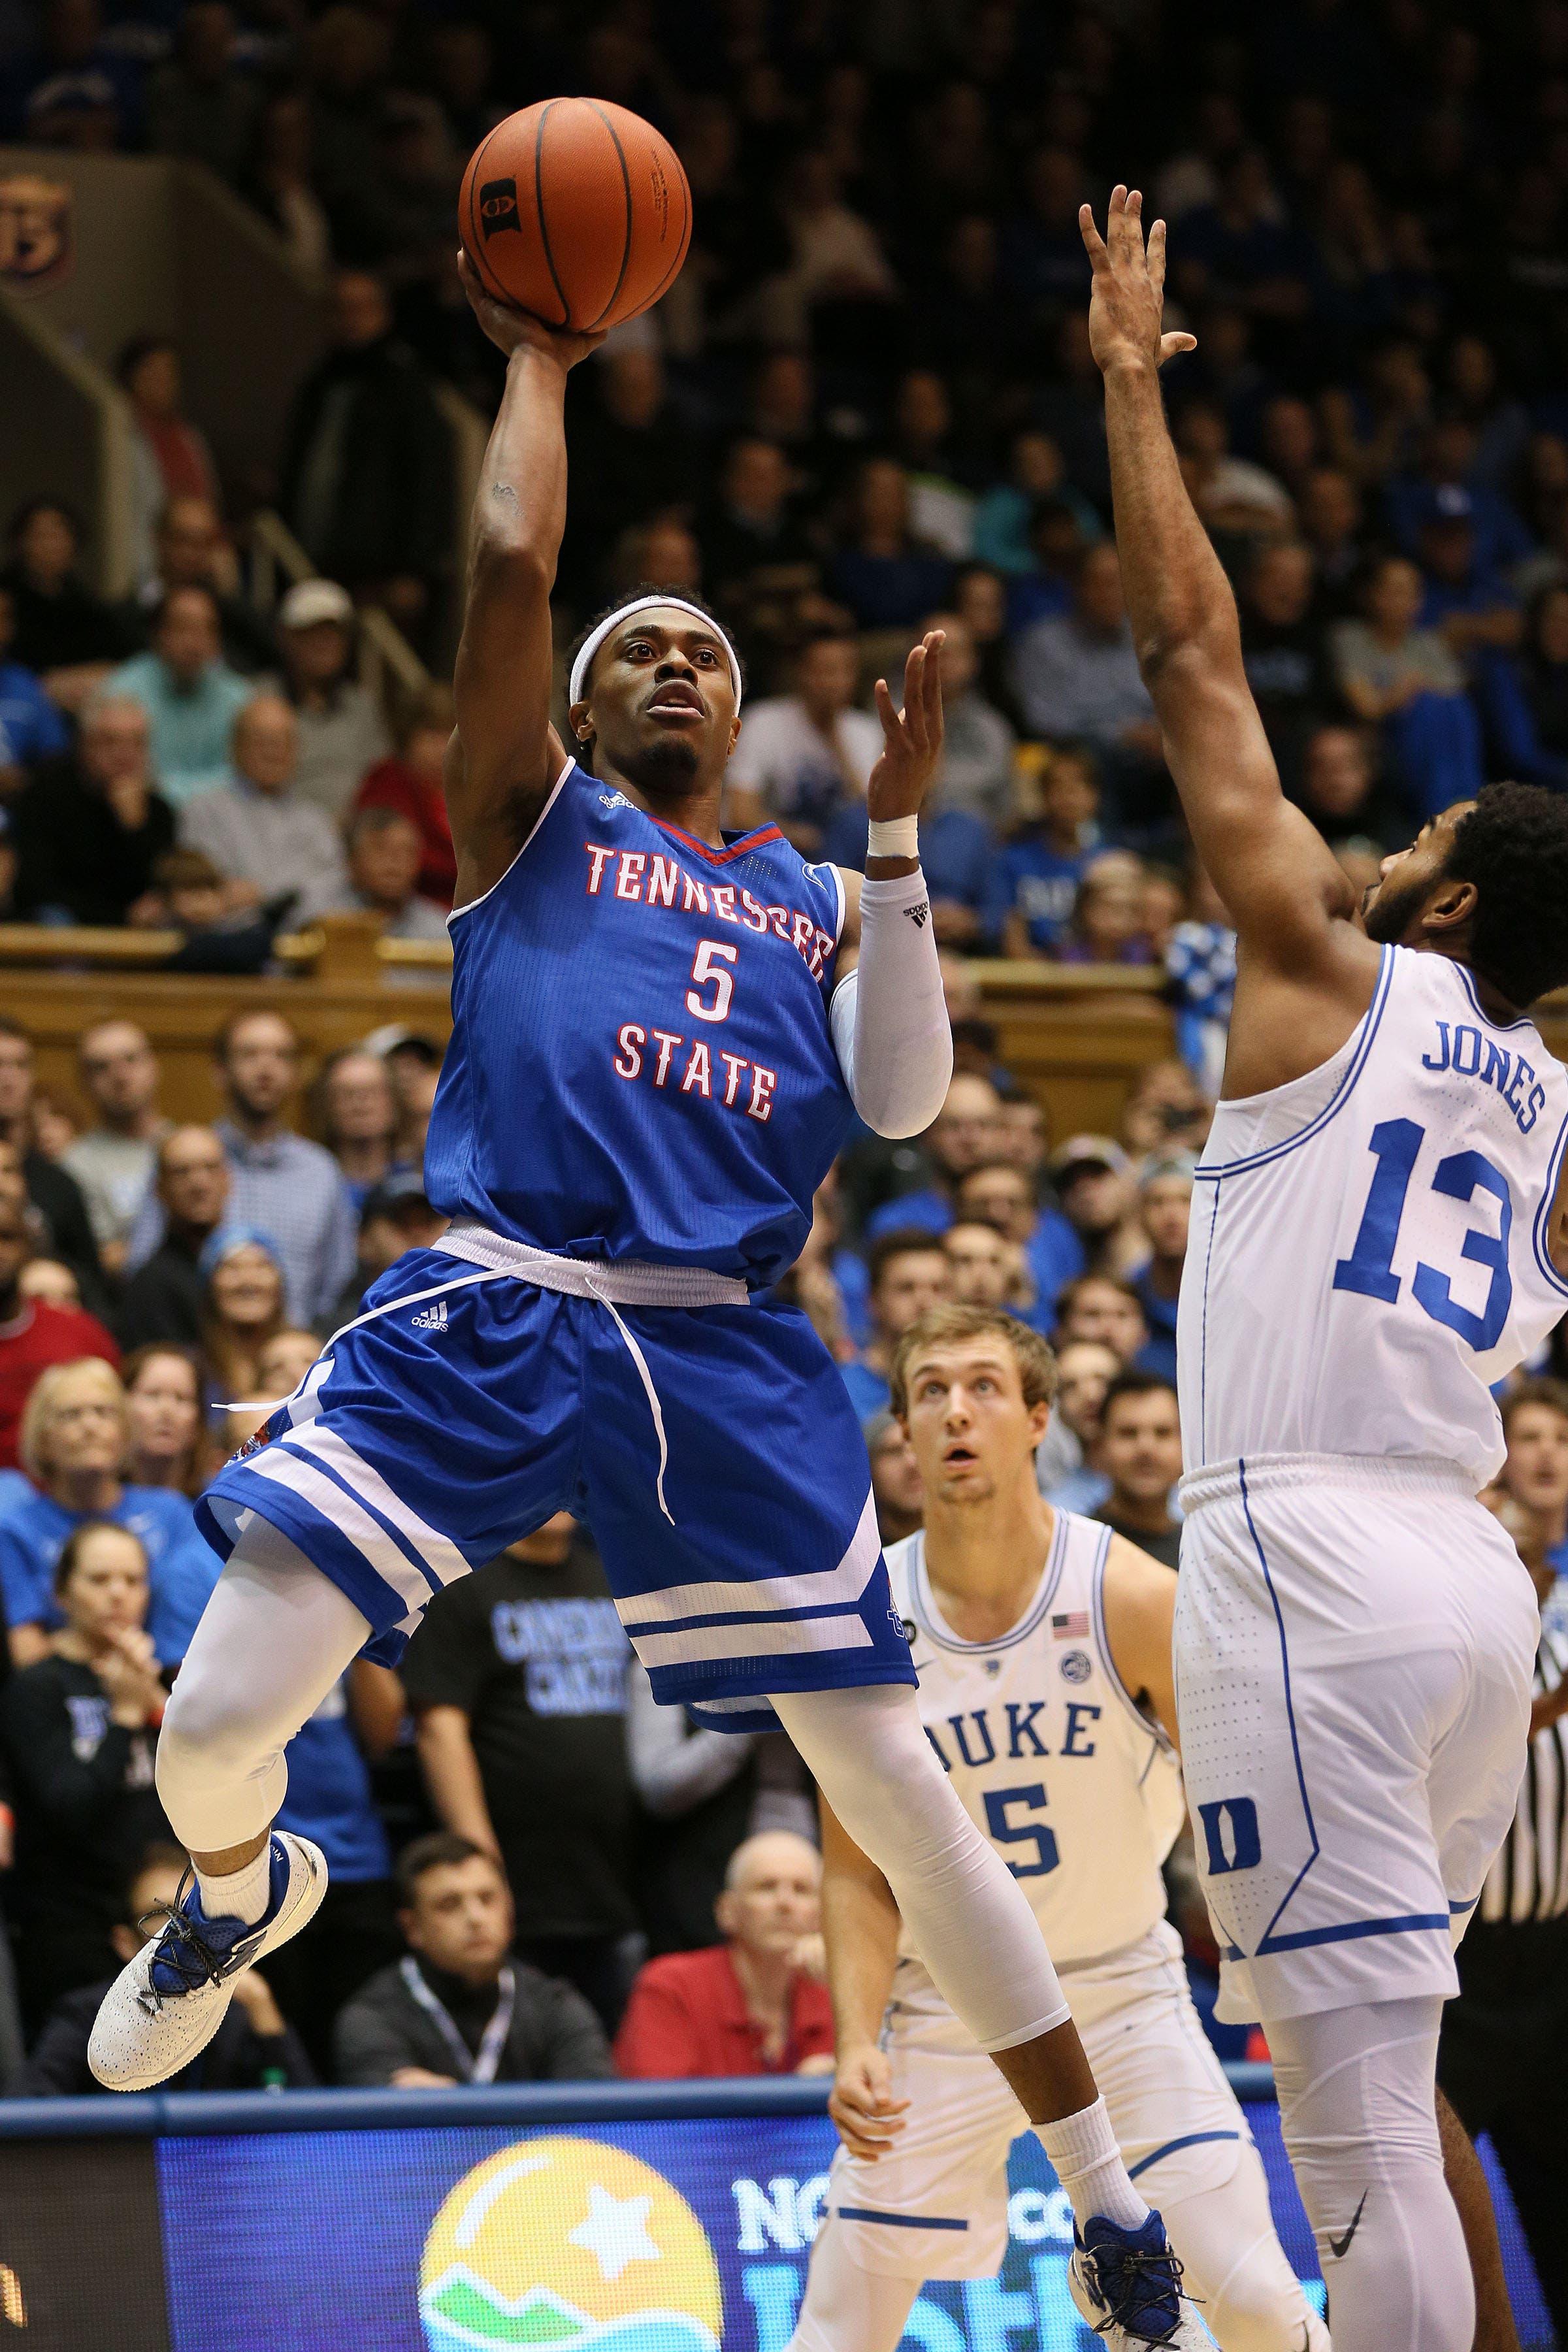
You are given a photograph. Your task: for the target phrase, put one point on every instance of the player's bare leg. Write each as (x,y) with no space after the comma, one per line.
(1495,2330)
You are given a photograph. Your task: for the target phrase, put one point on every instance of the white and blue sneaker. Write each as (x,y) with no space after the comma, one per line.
(1127,2285)
(166,2004)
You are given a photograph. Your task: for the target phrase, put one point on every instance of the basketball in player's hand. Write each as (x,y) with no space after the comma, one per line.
(576,210)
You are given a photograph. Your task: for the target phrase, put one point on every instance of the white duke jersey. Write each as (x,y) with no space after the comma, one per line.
(1369,1245)
(1054,1760)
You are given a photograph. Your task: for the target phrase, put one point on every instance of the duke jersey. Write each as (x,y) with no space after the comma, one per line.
(1369,1246)
(641,1066)
(1052,1756)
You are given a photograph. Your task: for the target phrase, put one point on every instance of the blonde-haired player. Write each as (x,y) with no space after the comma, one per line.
(1042,1642)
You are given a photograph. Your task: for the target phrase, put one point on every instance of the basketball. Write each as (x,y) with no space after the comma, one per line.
(576,210)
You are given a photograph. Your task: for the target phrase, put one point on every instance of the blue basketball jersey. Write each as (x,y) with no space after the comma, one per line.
(641,1065)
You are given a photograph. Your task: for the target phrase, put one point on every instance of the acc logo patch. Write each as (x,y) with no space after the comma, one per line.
(1076,1667)
(498,207)
(36,247)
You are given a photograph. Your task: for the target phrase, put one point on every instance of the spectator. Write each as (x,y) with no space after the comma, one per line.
(282,1364)
(886,576)
(169,458)
(1166,1111)
(254,2049)
(191,696)
(163,1299)
(356,1116)
(74,1445)
(1103,1307)
(1140,1454)
(1066,1463)
(895,1480)
(986,1271)
(1095,1185)
(1109,921)
(1330,518)
(1233,496)
(909,1272)
(413,1065)
(1165,1206)
(192,552)
(1283,648)
(169,1442)
(1077,676)
(1535,1426)
(288,1187)
(633,459)
(50,1279)
(33,1334)
(270,843)
(802,756)
(57,1212)
(1001,1195)
(966,1130)
(78,1726)
(755,2004)
(518,1678)
(200,104)
(1465,599)
(457,2008)
(90,827)
(752,545)
(331,1801)
(975,778)
(243,1308)
(980,600)
(384,852)
(410,782)
(1400,677)
(66,636)
(32,727)
(219,930)
(394,1217)
(114,1161)
(1035,878)
(1524,697)
(341,733)
(1342,791)
(367,463)
(1004,518)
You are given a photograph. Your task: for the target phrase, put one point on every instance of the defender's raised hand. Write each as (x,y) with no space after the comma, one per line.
(911,738)
(1127,302)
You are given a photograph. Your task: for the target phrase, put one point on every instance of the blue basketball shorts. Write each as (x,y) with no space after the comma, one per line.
(712,1451)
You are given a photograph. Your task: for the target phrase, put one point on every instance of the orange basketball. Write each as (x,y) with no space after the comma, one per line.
(576,210)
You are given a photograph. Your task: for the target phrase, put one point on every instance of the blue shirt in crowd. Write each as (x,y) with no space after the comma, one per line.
(868,1391)
(182,1567)
(31,726)
(1158,1354)
(330,1798)
(1038,882)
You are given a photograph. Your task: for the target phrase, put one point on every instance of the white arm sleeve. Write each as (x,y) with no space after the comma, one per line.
(888,1017)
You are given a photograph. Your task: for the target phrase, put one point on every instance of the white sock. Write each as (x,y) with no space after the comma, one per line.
(239,1894)
(1088,2164)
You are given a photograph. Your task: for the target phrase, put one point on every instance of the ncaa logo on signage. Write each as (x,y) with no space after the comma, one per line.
(34,231)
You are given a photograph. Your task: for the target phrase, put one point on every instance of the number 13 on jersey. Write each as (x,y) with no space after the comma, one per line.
(1369,1269)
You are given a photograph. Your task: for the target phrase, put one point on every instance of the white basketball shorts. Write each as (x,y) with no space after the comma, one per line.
(936,2205)
(1354,1643)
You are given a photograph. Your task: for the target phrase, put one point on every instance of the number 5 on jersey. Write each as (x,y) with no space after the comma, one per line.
(709,969)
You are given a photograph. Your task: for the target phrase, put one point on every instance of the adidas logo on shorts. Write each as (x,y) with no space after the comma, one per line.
(433,1319)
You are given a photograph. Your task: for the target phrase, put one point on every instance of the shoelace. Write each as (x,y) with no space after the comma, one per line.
(1143,2278)
(182,1947)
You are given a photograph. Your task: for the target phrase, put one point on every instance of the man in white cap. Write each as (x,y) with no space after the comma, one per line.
(342,728)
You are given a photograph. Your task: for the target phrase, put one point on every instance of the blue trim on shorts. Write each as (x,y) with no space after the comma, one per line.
(1268,1943)
(1455,1909)
(902,2221)
(1352,1931)
(1189,2139)
(1370,1020)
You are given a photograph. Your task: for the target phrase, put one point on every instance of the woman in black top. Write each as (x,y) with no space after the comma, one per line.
(64,633)
(80,1731)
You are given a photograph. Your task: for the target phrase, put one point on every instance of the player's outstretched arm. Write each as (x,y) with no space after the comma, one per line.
(1279,881)
(1139,1612)
(505,756)
(861,1928)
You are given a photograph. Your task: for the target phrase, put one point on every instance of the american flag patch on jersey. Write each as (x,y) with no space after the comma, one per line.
(1072,1626)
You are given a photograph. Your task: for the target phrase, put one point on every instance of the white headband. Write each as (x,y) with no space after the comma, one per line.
(580,668)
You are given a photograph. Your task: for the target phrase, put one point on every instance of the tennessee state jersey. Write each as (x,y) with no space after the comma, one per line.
(1368,1254)
(1054,1760)
(641,1065)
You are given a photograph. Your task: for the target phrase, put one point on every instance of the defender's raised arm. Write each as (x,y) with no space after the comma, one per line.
(505,755)
(1274,871)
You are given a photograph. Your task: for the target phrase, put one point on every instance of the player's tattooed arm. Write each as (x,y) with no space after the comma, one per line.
(861,1928)
(505,756)
(1140,1610)
(1283,888)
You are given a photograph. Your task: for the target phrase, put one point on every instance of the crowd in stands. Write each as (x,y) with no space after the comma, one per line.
(867,406)
(536,1871)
